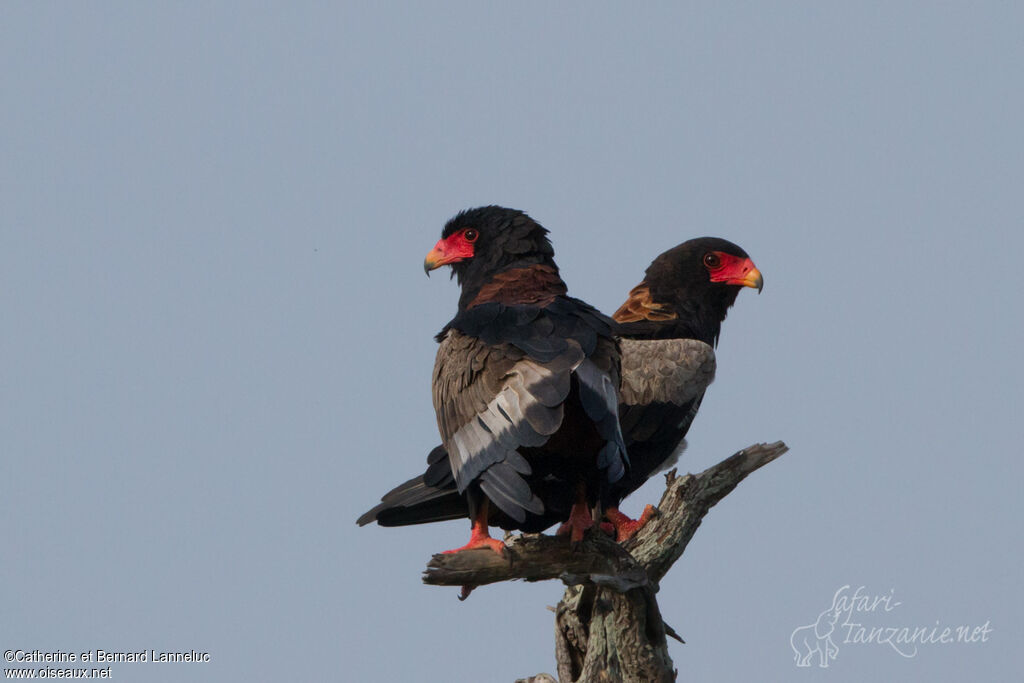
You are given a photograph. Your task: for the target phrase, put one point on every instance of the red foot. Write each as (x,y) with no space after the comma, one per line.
(474,543)
(579,521)
(626,528)
(480,539)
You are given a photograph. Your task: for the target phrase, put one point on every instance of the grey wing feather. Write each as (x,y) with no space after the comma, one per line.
(597,393)
(509,491)
(601,403)
(491,404)
(665,370)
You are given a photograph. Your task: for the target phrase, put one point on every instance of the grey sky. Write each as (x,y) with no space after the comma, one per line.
(218,338)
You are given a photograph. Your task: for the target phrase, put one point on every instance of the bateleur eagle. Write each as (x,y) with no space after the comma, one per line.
(668,327)
(525,381)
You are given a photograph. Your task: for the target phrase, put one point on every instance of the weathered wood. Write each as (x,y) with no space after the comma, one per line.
(685,502)
(535,557)
(608,626)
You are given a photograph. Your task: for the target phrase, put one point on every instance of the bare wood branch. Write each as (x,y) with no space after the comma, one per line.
(608,625)
(685,502)
(534,557)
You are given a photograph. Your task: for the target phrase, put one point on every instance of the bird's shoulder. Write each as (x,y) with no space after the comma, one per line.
(665,370)
(541,332)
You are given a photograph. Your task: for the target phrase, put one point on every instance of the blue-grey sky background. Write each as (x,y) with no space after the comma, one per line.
(217,335)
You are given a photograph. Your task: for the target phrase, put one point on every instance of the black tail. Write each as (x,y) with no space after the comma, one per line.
(416,503)
(430,497)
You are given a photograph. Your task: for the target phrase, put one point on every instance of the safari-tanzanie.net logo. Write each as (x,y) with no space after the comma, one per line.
(858,617)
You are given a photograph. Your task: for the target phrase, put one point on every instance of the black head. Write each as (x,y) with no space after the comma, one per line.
(480,243)
(687,290)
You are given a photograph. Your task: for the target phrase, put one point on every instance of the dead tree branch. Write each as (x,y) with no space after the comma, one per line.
(608,626)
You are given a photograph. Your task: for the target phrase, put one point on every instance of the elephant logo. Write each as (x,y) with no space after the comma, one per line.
(816,638)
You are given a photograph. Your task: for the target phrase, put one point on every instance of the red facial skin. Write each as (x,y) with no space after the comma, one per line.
(734,270)
(454,248)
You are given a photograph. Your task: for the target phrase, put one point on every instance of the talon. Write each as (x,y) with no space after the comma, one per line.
(626,528)
(579,521)
(485,541)
(480,537)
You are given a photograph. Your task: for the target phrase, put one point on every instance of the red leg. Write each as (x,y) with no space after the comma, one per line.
(480,538)
(580,518)
(626,528)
